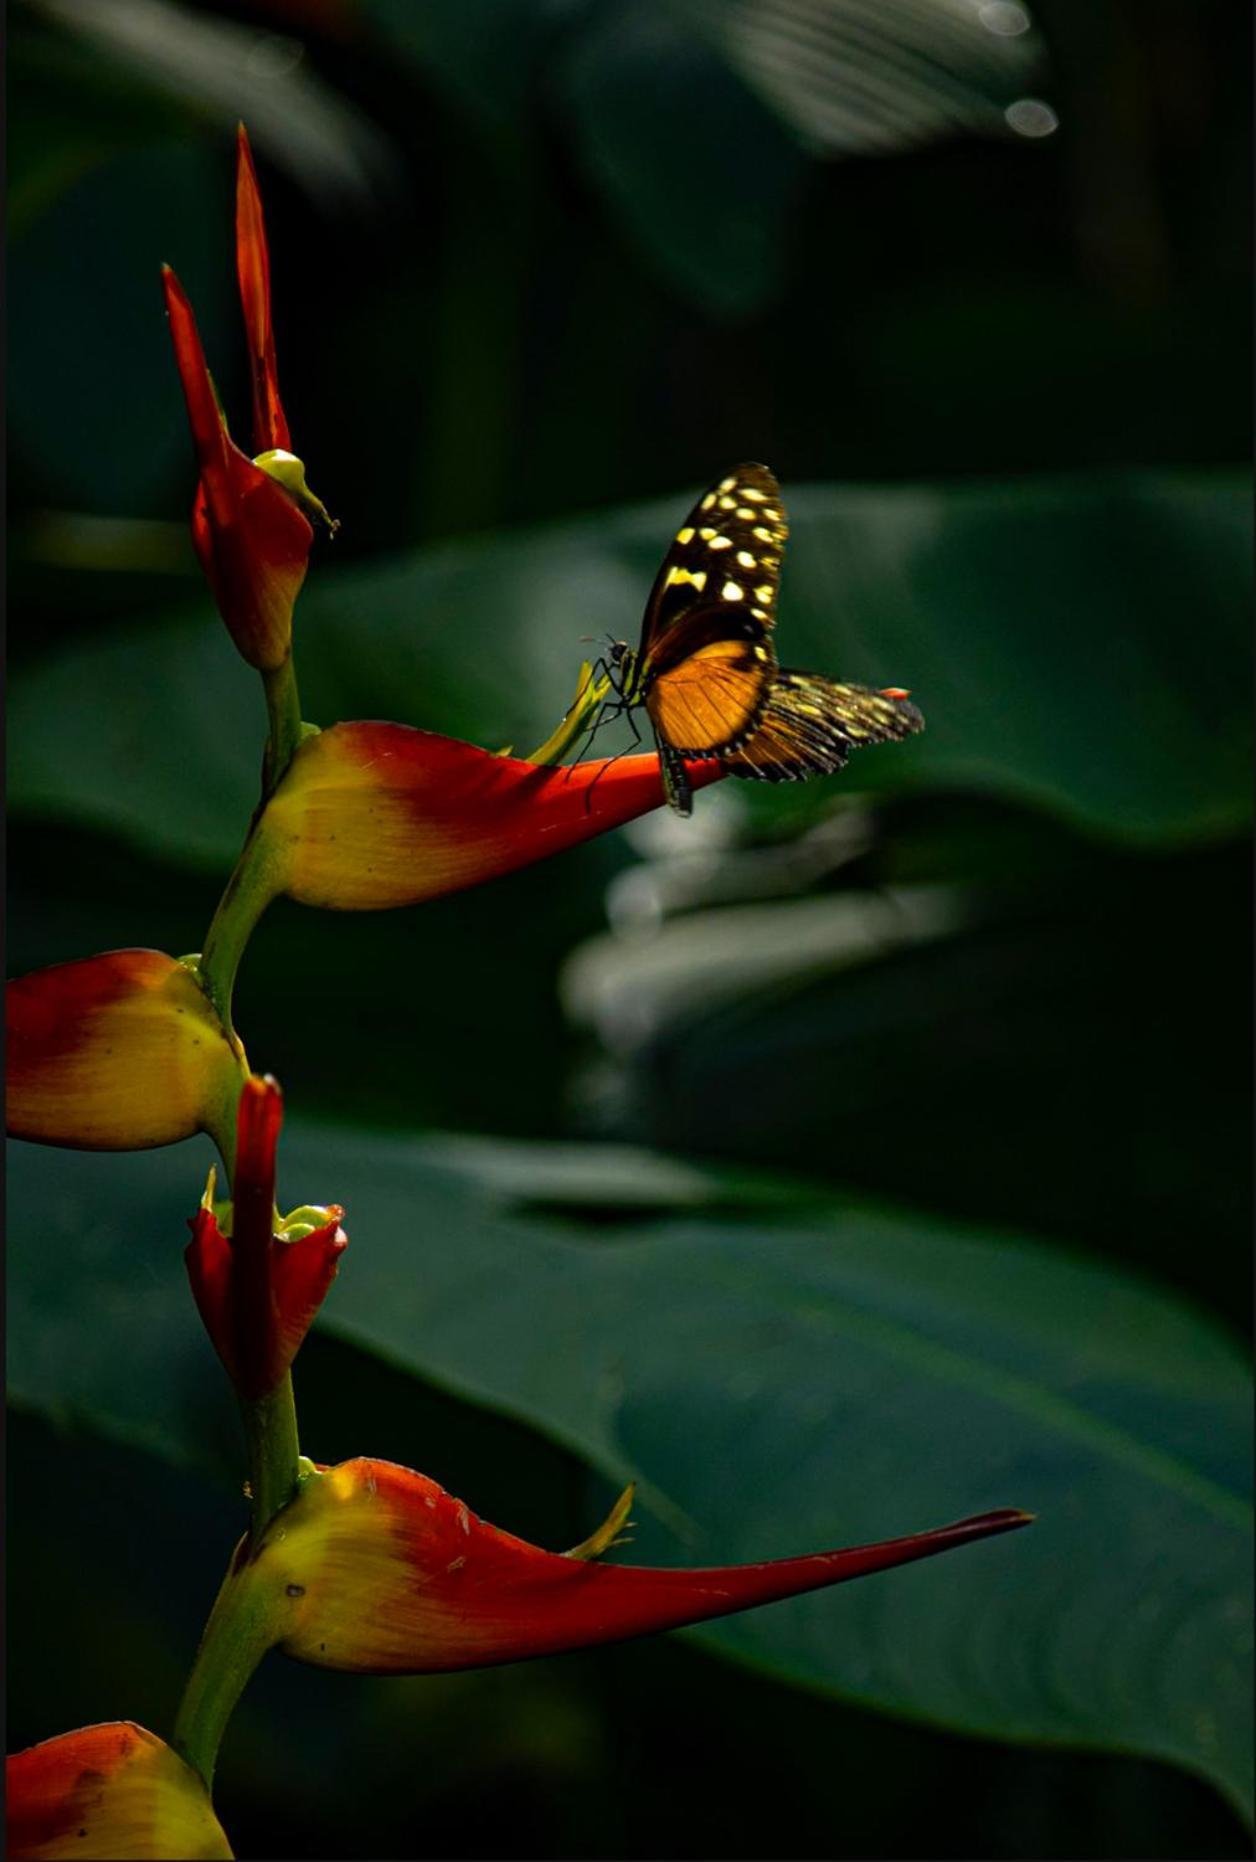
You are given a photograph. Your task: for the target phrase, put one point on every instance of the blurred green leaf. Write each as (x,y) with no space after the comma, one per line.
(222,71)
(1010,1054)
(772,1387)
(703,176)
(94,412)
(1058,635)
(484,53)
(694,118)
(855,77)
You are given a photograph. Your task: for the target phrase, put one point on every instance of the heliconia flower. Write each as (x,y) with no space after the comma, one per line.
(249,519)
(115,1793)
(117,1053)
(258,1290)
(375,815)
(376,1569)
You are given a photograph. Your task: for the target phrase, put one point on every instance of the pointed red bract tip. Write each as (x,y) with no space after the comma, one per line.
(209,438)
(895,691)
(270,426)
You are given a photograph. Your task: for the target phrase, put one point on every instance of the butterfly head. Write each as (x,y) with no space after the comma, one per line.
(623,665)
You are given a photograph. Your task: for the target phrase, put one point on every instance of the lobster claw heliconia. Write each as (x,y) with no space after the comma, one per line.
(376,1569)
(250,517)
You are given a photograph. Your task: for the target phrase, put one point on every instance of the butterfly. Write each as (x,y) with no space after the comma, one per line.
(706,669)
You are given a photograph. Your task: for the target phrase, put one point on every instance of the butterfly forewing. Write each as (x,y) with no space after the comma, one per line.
(809,725)
(725,557)
(705,662)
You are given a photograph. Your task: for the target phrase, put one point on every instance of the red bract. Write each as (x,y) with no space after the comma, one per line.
(270,426)
(376,1569)
(258,1291)
(114,1792)
(375,815)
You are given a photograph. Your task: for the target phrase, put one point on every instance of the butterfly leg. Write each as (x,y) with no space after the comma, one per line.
(610,709)
(588,794)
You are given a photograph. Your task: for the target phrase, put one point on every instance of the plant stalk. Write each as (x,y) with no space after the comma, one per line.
(270,1428)
(241,1628)
(245,898)
(283,706)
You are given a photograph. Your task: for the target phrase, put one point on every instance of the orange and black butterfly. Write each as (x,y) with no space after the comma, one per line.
(706,670)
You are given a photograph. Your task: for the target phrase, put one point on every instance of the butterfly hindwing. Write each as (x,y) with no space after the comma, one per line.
(710,701)
(809,725)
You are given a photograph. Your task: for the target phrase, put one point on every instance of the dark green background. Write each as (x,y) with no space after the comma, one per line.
(536,267)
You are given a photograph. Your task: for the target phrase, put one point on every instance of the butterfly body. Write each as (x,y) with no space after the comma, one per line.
(706,668)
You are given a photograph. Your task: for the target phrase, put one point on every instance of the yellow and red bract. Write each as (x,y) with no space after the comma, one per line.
(376,815)
(119,1052)
(113,1792)
(376,1569)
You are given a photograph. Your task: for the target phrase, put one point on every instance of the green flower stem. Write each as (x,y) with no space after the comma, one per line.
(241,1628)
(248,892)
(283,705)
(243,1623)
(222,1126)
(590,694)
(270,1427)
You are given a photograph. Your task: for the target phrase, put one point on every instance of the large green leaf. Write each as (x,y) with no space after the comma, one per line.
(982,1053)
(704,176)
(1059,634)
(773,1387)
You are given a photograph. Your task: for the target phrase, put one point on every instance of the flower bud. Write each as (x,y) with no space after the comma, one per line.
(258,1284)
(289,471)
(252,541)
(249,523)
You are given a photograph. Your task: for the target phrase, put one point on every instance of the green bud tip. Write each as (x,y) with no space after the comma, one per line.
(289,471)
